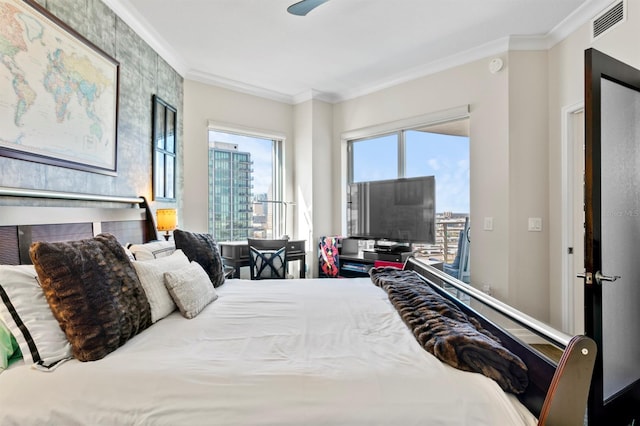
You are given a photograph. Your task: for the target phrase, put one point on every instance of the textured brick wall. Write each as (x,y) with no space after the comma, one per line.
(142,73)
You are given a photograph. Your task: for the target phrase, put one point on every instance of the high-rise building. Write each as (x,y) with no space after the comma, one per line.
(230,192)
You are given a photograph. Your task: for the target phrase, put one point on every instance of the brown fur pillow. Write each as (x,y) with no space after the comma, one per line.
(203,249)
(94,293)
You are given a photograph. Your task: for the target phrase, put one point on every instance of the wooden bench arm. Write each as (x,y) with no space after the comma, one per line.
(566,399)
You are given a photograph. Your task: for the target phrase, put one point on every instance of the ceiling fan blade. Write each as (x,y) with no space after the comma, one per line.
(305,6)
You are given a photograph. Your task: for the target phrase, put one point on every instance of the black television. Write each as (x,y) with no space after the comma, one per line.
(399,210)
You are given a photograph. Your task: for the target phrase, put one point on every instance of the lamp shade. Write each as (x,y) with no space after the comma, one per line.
(166,219)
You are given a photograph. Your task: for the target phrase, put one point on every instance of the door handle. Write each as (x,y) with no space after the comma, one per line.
(587,276)
(600,277)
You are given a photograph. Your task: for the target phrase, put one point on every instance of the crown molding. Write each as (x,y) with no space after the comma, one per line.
(580,16)
(470,55)
(315,94)
(237,86)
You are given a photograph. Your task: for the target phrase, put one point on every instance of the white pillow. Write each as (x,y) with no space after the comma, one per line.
(130,254)
(153,250)
(26,313)
(150,273)
(191,289)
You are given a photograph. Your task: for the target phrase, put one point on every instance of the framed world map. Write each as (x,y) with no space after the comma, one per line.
(58,92)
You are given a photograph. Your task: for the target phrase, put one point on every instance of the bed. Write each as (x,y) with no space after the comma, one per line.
(282,352)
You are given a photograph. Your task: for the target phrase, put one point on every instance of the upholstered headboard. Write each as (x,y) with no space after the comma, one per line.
(130,221)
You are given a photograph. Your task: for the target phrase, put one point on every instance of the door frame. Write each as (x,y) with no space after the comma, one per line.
(568,196)
(620,408)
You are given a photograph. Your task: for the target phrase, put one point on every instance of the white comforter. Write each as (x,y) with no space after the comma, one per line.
(281,352)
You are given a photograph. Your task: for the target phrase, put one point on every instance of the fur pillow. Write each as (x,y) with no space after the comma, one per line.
(94,293)
(203,249)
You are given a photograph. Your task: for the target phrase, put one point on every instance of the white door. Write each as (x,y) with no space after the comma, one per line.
(578,222)
(573,221)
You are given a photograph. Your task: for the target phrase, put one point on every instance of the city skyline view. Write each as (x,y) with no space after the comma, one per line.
(261,154)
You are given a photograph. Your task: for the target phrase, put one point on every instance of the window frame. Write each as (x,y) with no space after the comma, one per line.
(398,128)
(278,170)
(351,155)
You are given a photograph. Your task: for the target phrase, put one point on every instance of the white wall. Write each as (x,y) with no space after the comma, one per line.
(202,103)
(566,87)
(313,171)
(303,187)
(528,185)
(323,197)
(508,183)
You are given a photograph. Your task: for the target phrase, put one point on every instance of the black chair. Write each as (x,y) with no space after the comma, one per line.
(267,259)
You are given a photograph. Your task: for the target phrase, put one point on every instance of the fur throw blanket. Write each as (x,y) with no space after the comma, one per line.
(449,334)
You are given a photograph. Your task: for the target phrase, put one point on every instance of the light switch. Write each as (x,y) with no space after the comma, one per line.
(535,224)
(488,224)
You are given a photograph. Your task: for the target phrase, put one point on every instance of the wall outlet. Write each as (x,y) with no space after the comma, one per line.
(535,224)
(488,224)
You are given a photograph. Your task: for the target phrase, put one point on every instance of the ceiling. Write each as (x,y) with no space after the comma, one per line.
(343,48)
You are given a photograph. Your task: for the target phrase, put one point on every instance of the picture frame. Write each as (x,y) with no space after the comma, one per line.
(60,93)
(164,150)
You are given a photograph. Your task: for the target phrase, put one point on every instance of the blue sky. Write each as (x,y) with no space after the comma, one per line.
(443,156)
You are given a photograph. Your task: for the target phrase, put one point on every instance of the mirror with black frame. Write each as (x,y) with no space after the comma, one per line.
(164,150)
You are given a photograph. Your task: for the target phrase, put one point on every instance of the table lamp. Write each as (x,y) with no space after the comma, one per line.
(166,219)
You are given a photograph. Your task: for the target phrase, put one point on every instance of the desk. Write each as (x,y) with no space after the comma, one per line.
(236,254)
(358,265)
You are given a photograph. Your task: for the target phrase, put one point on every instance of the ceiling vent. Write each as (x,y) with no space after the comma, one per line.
(608,19)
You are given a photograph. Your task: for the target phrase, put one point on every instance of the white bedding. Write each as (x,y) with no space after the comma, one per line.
(281,352)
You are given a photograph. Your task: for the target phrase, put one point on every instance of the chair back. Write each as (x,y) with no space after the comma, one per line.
(328,257)
(459,268)
(464,273)
(267,258)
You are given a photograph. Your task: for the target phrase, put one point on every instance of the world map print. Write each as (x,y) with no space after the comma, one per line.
(58,95)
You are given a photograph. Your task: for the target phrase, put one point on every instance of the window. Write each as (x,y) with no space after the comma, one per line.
(366,155)
(446,157)
(245,186)
(164,150)
(441,150)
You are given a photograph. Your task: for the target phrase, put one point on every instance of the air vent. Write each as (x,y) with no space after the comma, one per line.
(608,19)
